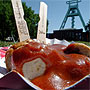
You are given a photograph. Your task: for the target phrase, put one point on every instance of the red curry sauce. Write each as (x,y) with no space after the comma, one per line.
(62,70)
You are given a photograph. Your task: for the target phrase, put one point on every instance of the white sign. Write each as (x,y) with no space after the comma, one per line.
(41,35)
(20,22)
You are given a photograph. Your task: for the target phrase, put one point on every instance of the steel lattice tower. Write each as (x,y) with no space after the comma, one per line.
(72,12)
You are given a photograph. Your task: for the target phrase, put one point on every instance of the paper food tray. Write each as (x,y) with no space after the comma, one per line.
(14,80)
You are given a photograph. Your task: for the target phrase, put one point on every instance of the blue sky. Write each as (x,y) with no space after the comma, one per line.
(57,10)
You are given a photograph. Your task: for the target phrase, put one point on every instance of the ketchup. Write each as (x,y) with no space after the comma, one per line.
(62,69)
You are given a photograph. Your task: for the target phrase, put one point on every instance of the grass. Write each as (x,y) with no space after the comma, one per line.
(87,43)
(4,43)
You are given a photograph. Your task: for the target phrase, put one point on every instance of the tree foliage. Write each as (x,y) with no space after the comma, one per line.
(88,26)
(7,21)
(31,19)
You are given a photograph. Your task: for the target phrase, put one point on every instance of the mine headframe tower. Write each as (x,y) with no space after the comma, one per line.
(72,12)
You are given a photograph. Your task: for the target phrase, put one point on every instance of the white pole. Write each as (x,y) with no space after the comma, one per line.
(41,34)
(20,22)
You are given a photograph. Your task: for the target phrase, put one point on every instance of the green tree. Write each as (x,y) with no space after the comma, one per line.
(88,26)
(7,21)
(31,19)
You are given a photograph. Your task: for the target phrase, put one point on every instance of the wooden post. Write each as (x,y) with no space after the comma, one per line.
(41,35)
(20,22)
